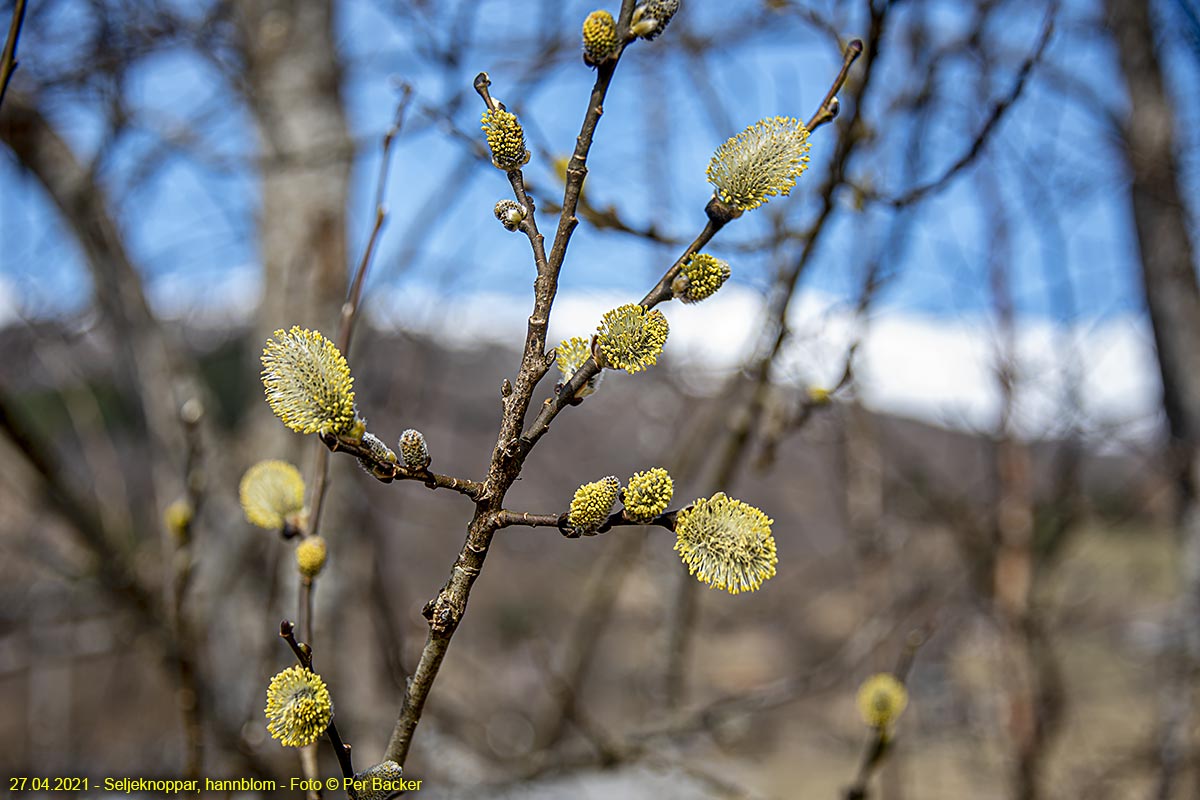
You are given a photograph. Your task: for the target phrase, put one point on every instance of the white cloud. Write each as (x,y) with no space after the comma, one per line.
(231,298)
(936,369)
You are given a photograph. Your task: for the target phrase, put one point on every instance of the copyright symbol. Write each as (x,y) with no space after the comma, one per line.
(332,784)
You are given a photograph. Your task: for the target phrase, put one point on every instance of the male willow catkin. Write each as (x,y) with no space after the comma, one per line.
(299,708)
(270,492)
(592,504)
(726,543)
(308,383)
(648,494)
(881,700)
(600,41)
(699,278)
(651,18)
(760,162)
(505,138)
(570,356)
(631,338)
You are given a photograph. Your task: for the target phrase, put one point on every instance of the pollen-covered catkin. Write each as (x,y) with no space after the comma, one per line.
(570,356)
(308,383)
(631,338)
(726,543)
(505,138)
(600,41)
(881,700)
(310,556)
(592,504)
(270,492)
(699,278)
(760,162)
(299,708)
(648,494)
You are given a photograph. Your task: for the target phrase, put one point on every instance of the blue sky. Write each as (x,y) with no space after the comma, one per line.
(191,220)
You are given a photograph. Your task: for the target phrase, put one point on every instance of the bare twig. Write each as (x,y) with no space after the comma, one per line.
(8,60)
(386,471)
(303,654)
(508,519)
(179,579)
(349,315)
(919,192)
(830,105)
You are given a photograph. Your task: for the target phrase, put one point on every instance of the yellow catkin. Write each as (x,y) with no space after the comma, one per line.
(505,138)
(760,162)
(631,338)
(648,494)
(699,278)
(270,492)
(308,382)
(726,543)
(600,41)
(592,504)
(881,700)
(299,708)
(310,556)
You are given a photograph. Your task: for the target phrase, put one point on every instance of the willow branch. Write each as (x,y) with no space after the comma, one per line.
(828,110)
(387,471)
(179,578)
(446,610)
(516,178)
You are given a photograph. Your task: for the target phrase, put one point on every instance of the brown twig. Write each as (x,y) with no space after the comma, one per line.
(8,60)
(830,105)
(303,654)
(180,579)
(349,316)
(984,135)
(508,519)
(387,471)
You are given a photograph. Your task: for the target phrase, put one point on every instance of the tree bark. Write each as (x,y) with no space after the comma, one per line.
(1173,300)
(293,86)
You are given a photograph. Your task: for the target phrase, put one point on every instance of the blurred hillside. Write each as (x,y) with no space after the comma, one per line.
(870,546)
